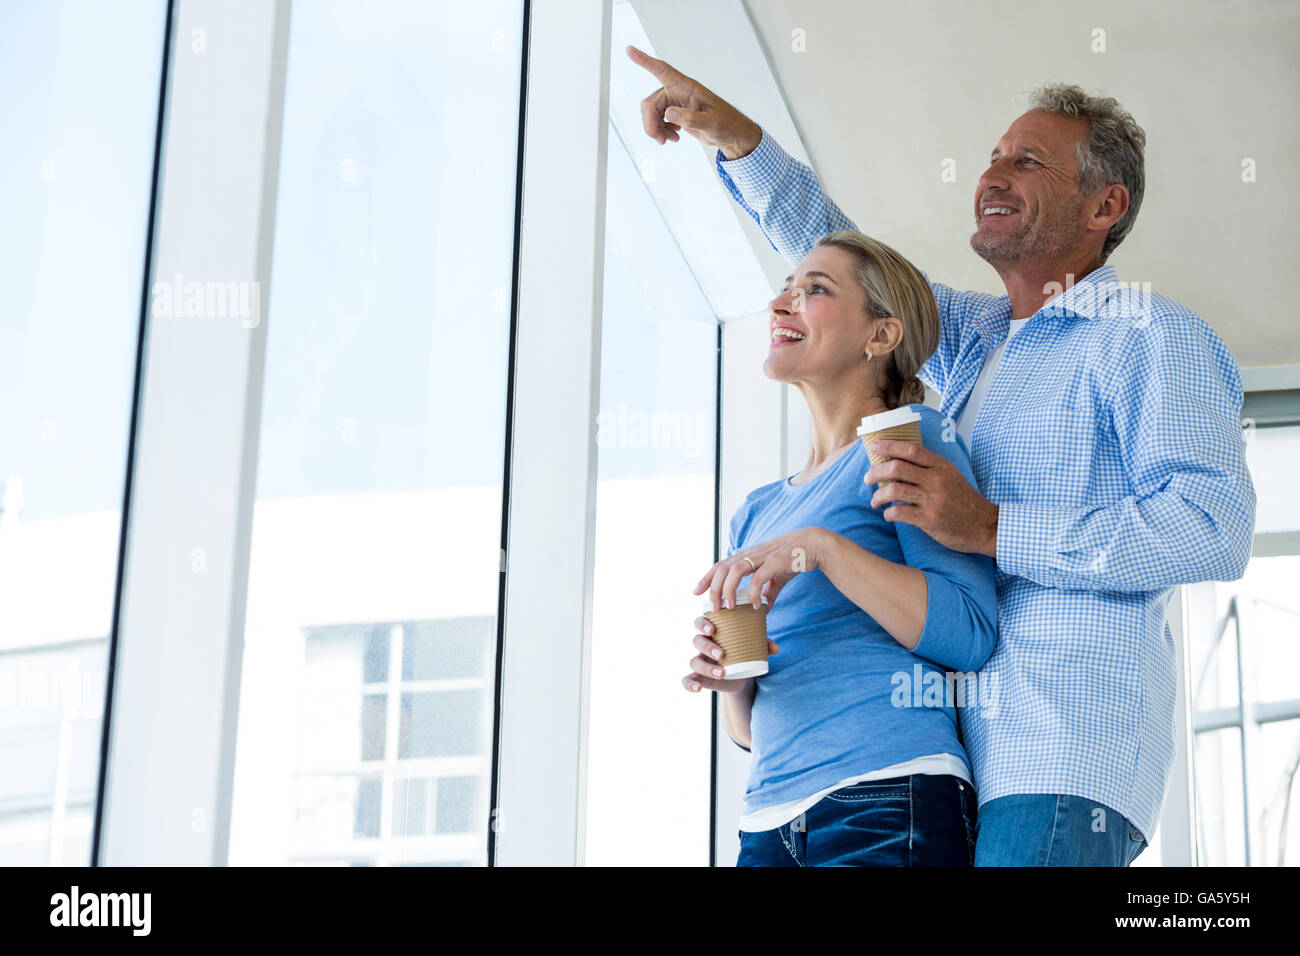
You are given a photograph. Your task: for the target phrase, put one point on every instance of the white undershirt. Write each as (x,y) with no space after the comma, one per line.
(971,410)
(778,815)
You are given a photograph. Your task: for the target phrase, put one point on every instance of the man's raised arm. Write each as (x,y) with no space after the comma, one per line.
(782,194)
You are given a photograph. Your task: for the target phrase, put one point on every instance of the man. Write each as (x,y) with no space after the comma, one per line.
(1105,438)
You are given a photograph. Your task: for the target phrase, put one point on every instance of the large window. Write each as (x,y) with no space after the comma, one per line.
(649,739)
(79,112)
(366,695)
(676,264)
(1244,654)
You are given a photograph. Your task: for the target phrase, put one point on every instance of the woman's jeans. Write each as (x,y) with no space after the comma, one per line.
(921,820)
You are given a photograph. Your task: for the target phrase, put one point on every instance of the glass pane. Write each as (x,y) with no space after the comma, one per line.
(412,807)
(51,711)
(374,723)
(25,838)
(79,112)
(77,830)
(376,659)
(369,803)
(448,649)
(1218,798)
(84,741)
(442,724)
(1279,795)
(331,810)
(338,725)
(457,796)
(30,759)
(655,516)
(377,523)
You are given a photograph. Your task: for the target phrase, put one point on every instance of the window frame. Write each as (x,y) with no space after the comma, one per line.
(192,464)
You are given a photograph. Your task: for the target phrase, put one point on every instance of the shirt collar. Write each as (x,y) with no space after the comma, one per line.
(1085,298)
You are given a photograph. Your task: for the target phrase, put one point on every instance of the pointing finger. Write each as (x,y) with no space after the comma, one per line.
(660,70)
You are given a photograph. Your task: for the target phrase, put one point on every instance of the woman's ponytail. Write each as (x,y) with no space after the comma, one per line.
(912,392)
(900,391)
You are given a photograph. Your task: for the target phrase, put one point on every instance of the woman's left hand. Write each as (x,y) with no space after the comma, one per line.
(770,565)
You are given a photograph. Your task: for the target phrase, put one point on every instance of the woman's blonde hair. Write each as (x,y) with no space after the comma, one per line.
(895,287)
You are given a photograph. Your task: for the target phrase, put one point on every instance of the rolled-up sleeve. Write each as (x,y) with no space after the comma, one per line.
(784,197)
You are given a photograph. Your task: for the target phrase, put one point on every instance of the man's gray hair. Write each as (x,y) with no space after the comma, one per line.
(1112,152)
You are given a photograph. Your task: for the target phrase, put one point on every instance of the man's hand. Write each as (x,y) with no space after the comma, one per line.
(683,104)
(941,502)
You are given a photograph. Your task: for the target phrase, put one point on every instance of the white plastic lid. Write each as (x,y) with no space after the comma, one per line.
(742,597)
(896,416)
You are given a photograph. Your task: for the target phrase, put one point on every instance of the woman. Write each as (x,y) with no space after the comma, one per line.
(857,757)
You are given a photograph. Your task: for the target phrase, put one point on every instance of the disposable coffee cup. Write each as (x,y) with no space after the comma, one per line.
(899,424)
(741,632)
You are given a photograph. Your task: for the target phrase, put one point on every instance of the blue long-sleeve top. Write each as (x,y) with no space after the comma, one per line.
(842,696)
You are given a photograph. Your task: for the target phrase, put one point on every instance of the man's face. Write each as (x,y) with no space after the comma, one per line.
(1033,172)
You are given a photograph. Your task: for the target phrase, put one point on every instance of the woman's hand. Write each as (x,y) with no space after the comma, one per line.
(770,566)
(706,672)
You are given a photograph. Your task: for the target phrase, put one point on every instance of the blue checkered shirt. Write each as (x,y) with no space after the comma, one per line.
(1110,439)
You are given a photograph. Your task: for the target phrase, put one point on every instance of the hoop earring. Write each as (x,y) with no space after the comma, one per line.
(868,356)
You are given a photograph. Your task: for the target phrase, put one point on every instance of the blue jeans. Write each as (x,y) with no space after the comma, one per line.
(921,820)
(1051,829)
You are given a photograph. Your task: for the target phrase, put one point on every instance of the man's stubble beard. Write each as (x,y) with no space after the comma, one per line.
(1038,238)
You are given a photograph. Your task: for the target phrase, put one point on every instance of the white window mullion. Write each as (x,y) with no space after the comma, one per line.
(549,560)
(173,704)
(1178,818)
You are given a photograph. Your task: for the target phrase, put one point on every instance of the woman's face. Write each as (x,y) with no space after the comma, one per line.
(818,326)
